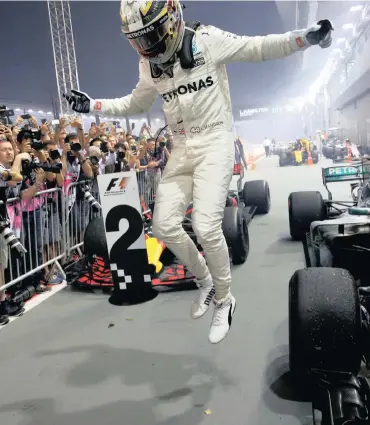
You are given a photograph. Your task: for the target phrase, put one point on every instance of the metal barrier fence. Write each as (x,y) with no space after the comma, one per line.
(80,206)
(148,181)
(39,227)
(51,227)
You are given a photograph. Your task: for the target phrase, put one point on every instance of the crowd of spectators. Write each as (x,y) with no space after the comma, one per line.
(39,162)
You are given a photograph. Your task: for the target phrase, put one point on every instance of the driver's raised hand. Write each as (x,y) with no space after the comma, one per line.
(79,101)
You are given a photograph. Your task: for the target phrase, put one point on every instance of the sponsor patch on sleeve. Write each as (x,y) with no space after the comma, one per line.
(98,106)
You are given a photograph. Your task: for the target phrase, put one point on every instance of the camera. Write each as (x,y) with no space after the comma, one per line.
(54,154)
(94,160)
(90,199)
(5,115)
(104,147)
(24,295)
(37,145)
(68,119)
(29,166)
(75,147)
(120,155)
(72,140)
(11,240)
(34,135)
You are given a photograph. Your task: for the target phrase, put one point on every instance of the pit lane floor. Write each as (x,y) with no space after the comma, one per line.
(77,360)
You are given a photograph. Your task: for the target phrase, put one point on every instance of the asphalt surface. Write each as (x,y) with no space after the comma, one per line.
(77,360)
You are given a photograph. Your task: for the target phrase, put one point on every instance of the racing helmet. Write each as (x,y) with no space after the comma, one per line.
(154,28)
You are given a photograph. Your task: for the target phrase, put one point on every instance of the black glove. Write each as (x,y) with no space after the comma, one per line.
(320,34)
(79,101)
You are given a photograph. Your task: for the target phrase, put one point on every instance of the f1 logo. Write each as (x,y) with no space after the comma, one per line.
(122,184)
(111,185)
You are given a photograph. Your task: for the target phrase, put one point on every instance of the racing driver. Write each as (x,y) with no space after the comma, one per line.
(184,63)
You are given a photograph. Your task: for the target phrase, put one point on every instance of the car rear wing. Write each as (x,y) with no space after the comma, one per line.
(340,173)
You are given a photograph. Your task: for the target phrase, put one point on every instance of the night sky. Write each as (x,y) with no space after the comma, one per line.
(107,64)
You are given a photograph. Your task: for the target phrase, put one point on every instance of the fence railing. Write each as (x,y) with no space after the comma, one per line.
(39,226)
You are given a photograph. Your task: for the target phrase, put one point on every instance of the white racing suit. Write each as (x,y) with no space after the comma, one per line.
(197,106)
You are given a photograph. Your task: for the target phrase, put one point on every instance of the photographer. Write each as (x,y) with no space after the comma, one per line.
(61,132)
(73,160)
(33,205)
(112,141)
(96,160)
(121,163)
(8,189)
(156,154)
(165,154)
(76,167)
(108,155)
(54,212)
(10,135)
(110,149)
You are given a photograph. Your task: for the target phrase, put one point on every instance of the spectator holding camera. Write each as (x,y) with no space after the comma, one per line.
(121,163)
(110,157)
(96,158)
(155,156)
(106,156)
(54,210)
(74,161)
(76,167)
(10,135)
(112,140)
(164,152)
(33,215)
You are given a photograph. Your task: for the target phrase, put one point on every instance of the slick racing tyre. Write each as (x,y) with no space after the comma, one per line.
(329,152)
(283,159)
(304,208)
(95,241)
(257,193)
(235,228)
(324,322)
(315,157)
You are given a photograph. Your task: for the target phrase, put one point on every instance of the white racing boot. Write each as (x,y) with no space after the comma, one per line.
(205,295)
(222,318)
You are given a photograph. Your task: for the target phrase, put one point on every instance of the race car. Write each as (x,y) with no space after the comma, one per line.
(297,153)
(329,300)
(306,207)
(347,152)
(242,204)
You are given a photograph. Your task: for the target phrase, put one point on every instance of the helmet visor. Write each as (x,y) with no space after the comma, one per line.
(151,40)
